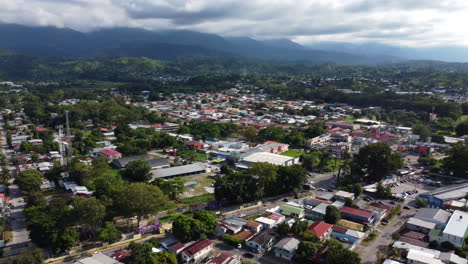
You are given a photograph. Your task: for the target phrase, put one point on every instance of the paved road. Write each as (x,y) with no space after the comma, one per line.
(368,253)
(20,233)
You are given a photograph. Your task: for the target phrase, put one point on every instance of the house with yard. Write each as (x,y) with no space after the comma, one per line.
(110,154)
(346,235)
(278,218)
(226,258)
(266,222)
(253,226)
(261,242)
(286,248)
(321,229)
(357,215)
(292,211)
(197,251)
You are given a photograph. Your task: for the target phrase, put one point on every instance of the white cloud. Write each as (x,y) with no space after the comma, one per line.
(407,22)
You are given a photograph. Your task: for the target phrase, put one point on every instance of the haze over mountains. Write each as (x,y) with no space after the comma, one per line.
(169,45)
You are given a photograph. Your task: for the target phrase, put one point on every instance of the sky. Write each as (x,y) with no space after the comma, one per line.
(413,23)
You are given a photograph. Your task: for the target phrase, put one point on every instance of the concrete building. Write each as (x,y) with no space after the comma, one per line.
(434,215)
(419,225)
(270,158)
(436,198)
(179,171)
(457,229)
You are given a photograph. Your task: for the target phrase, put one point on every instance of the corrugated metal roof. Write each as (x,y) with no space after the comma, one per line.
(174,171)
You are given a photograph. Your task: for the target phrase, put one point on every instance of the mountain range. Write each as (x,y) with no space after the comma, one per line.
(171,45)
(166,45)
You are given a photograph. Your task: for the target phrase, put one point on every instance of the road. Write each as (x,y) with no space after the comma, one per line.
(20,233)
(368,253)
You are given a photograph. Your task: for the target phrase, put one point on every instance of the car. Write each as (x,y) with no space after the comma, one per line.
(242,215)
(321,189)
(285,200)
(384,223)
(330,190)
(392,202)
(406,207)
(399,213)
(239,245)
(344,239)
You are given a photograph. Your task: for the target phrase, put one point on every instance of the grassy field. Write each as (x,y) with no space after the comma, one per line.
(199,199)
(293,153)
(204,182)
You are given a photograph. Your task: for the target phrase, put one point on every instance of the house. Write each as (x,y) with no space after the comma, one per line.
(273,147)
(110,154)
(456,230)
(321,229)
(244,235)
(419,225)
(346,235)
(342,196)
(318,212)
(177,248)
(418,257)
(229,226)
(266,222)
(197,251)
(357,215)
(195,145)
(292,211)
(434,215)
(253,226)
(226,258)
(121,255)
(286,248)
(279,218)
(262,242)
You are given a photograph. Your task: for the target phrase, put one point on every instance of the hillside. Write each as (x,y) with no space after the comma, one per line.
(164,45)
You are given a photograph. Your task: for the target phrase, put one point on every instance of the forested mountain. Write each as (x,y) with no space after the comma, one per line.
(51,41)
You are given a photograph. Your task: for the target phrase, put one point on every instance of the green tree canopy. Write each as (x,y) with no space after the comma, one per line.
(29,180)
(138,170)
(332,215)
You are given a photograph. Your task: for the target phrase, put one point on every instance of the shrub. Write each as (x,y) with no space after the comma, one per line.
(232,240)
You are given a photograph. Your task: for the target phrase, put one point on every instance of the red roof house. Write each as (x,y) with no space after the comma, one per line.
(197,250)
(321,230)
(110,154)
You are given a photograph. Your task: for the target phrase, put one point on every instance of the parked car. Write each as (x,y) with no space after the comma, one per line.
(406,207)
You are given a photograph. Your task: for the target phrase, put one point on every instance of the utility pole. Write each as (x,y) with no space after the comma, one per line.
(69,149)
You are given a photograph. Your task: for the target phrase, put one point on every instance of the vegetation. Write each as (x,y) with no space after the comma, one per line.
(332,215)
(261,180)
(188,228)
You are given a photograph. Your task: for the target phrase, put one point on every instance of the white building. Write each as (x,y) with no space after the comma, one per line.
(456,230)
(197,251)
(270,158)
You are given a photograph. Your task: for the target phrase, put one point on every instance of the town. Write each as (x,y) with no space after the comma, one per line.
(231,176)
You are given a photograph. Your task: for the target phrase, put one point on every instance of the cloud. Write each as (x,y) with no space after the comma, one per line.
(407,22)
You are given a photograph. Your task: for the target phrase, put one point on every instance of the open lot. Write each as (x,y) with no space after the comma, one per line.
(203,186)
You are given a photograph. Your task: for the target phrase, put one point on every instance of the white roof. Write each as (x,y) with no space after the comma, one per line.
(408,246)
(344,194)
(99,258)
(422,257)
(265,220)
(457,224)
(421,223)
(390,261)
(267,157)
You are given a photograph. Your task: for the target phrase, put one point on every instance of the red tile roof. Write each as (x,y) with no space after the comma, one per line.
(252,224)
(109,152)
(275,216)
(414,242)
(177,245)
(244,235)
(414,235)
(319,228)
(197,247)
(357,212)
(339,229)
(223,257)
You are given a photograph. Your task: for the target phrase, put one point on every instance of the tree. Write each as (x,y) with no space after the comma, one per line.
(427,161)
(455,162)
(63,240)
(336,253)
(26,256)
(357,189)
(89,213)
(395,162)
(172,188)
(165,258)
(374,161)
(383,192)
(422,131)
(138,170)
(29,180)
(311,160)
(332,215)
(140,253)
(207,219)
(139,199)
(182,227)
(299,226)
(283,229)
(421,203)
(462,128)
(249,133)
(307,249)
(109,233)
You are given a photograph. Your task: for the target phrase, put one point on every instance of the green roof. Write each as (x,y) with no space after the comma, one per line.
(287,209)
